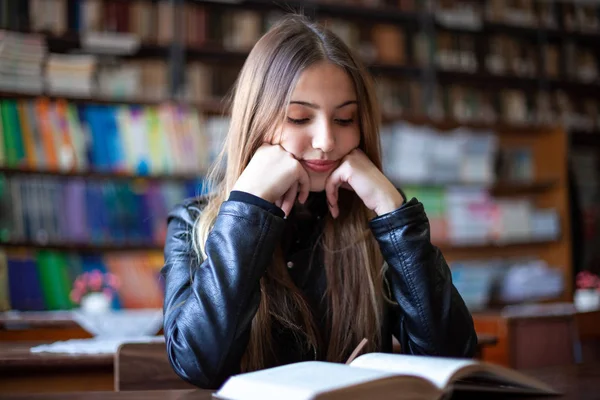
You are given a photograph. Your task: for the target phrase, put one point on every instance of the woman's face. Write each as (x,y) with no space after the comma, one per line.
(321,125)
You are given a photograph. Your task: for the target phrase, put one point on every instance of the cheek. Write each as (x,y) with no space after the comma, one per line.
(294,141)
(349,140)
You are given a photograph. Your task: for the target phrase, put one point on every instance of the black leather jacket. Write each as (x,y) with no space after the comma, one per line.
(208,308)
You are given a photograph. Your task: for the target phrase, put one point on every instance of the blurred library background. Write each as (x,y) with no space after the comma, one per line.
(112,110)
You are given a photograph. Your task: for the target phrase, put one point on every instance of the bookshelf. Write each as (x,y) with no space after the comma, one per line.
(547,190)
(424,91)
(585,139)
(94,175)
(412,19)
(206,106)
(86,248)
(466,250)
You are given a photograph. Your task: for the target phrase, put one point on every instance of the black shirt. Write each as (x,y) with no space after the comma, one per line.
(300,247)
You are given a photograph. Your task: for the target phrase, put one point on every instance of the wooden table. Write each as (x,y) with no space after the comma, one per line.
(588,324)
(578,382)
(484,340)
(49,326)
(524,340)
(136,395)
(21,370)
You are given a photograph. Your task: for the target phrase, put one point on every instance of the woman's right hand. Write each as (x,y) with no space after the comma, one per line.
(275,175)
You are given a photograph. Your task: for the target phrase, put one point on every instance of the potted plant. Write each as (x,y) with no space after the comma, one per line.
(587,294)
(93,291)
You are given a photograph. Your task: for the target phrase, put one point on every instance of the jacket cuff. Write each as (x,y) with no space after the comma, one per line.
(244,197)
(408,213)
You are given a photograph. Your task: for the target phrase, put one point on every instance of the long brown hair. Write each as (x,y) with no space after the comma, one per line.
(352,260)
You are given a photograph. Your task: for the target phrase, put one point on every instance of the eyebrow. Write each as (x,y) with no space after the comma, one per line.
(316,107)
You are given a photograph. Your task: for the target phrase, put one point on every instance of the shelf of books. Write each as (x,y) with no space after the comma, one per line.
(96,145)
(86,182)
(119,50)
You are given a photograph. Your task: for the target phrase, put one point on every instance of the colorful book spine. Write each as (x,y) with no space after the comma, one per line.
(54,279)
(43,280)
(24,283)
(141,140)
(50,210)
(4,286)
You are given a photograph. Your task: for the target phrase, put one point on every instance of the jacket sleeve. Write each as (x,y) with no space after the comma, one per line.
(209,306)
(431,317)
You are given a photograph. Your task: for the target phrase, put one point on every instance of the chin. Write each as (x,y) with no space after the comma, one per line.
(317,182)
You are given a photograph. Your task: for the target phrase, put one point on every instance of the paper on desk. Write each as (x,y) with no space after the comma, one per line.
(92,346)
(118,324)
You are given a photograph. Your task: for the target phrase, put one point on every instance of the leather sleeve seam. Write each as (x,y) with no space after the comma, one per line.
(410,282)
(252,263)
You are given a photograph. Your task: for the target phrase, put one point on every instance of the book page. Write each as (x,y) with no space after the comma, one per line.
(505,379)
(438,370)
(492,382)
(443,372)
(299,381)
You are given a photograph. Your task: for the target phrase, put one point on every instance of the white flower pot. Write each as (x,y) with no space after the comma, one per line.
(586,299)
(95,303)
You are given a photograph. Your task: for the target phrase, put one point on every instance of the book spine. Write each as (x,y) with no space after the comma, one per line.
(5,304)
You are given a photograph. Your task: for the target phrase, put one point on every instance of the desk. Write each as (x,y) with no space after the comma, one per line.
(588,324)
(484,340)
(49,326)
(578,382)
(21,370)
(514,337)
(137,395)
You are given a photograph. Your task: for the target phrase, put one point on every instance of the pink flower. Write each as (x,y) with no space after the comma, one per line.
(108,293)
(96,281)
(79,284)
(587,280)
(75,296)
(113,281)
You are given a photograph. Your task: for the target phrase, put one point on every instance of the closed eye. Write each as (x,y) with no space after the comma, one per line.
(298,121)
(344,122)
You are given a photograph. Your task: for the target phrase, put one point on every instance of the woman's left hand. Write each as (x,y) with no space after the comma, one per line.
(358,173)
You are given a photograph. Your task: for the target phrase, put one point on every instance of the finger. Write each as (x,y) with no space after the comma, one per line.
(303,185)
(289,198)
(331,190)
(346,186)
(278,202)
(264,147)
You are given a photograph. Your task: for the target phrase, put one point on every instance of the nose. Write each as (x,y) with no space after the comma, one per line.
(323,137)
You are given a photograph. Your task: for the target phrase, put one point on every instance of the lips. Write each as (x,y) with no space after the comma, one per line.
(319,165)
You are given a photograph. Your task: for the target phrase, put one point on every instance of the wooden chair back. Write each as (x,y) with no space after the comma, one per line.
(145,366)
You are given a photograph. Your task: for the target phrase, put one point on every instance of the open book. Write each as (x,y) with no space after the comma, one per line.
(379,376)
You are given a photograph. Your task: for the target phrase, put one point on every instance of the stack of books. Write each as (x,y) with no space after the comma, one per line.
(71,74)
(21,59)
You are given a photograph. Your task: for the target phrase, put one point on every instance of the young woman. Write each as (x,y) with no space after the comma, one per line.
(304,248)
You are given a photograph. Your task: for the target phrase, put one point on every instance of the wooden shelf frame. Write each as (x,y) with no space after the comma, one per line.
(95,175)
(71,41)
(84,247)
(218,106)
(131,246)
(498,188)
